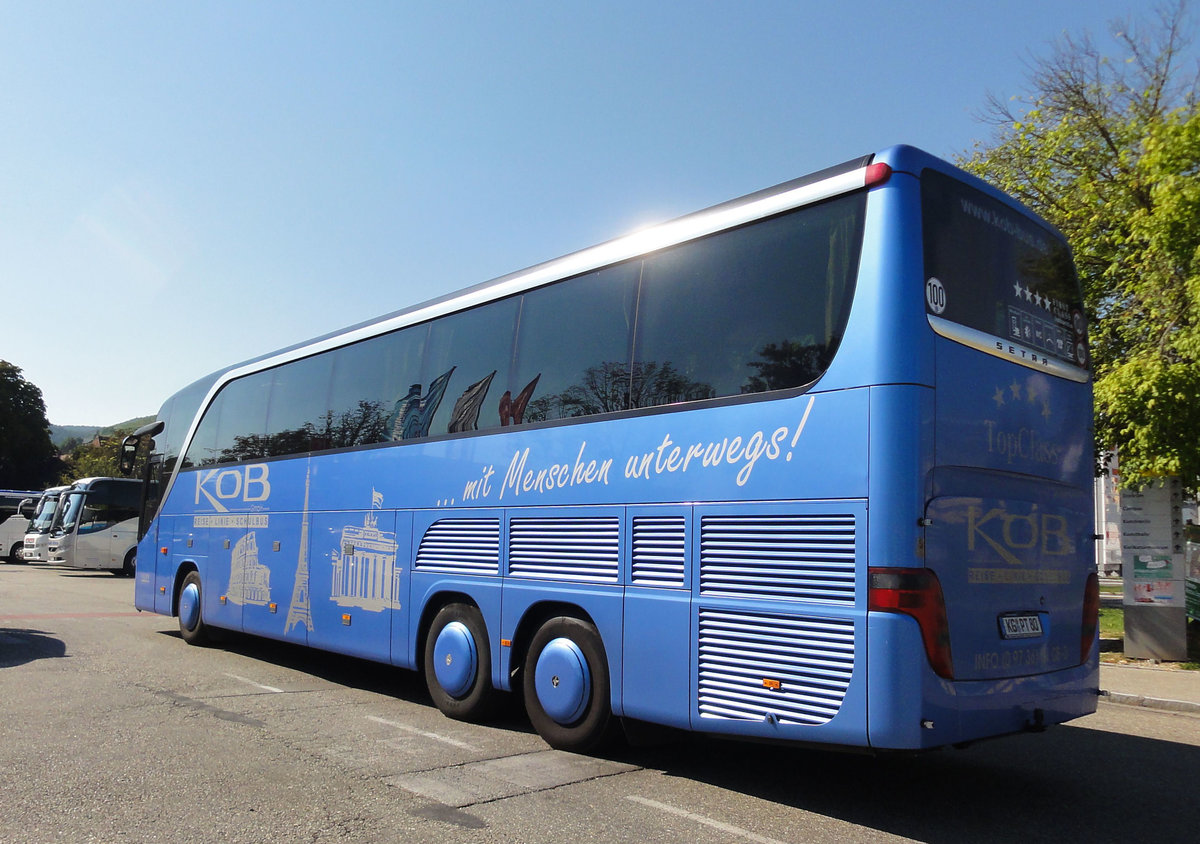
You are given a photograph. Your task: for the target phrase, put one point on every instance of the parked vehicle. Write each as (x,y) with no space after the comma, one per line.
(810,466)
(37,536)
(15,521)
(95,526)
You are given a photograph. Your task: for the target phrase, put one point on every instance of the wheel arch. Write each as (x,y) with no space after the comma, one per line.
(535,616)
(185,568)
(433,605)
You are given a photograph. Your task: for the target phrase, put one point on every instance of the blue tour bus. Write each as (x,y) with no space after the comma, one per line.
(813,465)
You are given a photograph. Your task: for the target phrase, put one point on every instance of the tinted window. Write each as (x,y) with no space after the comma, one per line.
(177,414)
(234,426)
(297,414)
(573,347)
(993,269)
(369,380)
(758,308)
(467,368)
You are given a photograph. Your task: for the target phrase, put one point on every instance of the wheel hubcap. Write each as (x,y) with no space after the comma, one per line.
(456,659)
(189,606)
(563,681)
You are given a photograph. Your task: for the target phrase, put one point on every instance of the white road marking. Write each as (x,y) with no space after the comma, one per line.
(700,819)
(423,733)
(250,682)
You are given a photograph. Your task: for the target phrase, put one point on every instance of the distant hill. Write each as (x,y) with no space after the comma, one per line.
(59,434)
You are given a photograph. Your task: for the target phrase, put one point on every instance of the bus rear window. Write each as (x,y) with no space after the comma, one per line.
(992,269)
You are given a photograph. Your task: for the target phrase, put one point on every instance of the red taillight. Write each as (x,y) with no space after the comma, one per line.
(877,174)
(916,593)
(1091,616)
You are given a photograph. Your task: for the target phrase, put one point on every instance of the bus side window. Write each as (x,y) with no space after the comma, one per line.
(464,350)
(368,379)
(574,345)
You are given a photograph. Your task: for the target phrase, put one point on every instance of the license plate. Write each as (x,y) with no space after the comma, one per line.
(1020,626)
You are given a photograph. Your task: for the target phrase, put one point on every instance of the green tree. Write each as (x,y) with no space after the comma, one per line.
(97,461)
(1108,150)
(27,456)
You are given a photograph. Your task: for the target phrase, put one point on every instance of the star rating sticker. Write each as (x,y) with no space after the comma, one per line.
(1017,289)
(1037,298)
(1016,389)
(1028,295)
(998,398)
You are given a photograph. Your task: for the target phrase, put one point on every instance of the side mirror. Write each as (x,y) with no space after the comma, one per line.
(129,447)
(25,508)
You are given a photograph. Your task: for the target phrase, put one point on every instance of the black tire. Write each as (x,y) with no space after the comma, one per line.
(129,568)
(592,724)
(191,626)
(14,553)
(472,697)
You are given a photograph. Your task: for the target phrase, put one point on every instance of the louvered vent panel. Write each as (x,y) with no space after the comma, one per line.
(805,558)
(659,552)
(467,546)
(565,549)
(751,666)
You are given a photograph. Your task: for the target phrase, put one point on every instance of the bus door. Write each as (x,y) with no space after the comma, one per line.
(93,537)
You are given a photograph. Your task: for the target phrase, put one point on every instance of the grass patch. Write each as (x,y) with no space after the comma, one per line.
(1112,623)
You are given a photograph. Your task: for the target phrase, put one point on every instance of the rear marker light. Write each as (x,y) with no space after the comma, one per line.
(917,594)
(877,174)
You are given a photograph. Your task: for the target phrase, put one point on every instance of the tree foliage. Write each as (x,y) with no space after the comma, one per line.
(97,458)
(1108,150)
(27,456)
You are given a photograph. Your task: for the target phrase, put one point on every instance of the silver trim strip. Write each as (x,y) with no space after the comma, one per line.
(1007,350)
(621,249)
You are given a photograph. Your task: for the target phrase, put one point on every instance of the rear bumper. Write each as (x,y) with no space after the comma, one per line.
(911,708)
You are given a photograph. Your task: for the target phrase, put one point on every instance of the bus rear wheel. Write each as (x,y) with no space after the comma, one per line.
(458,663)
(129,568)
(566,685)
(191,622)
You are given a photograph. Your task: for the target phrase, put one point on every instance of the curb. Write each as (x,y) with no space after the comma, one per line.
(1164,704)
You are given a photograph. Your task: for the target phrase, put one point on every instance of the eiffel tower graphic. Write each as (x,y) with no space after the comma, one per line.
(298,612)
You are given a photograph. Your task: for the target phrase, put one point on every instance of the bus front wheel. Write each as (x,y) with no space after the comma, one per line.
(458,663)
(566,685)
(191,623)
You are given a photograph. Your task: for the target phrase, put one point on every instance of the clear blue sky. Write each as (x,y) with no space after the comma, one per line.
(186,185)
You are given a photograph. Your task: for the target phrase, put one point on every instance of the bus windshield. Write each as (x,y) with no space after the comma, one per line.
(44,516)
(68,515)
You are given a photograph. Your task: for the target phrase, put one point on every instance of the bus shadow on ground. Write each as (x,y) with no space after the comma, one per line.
(18,647)
(1065,784)
(353,672)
